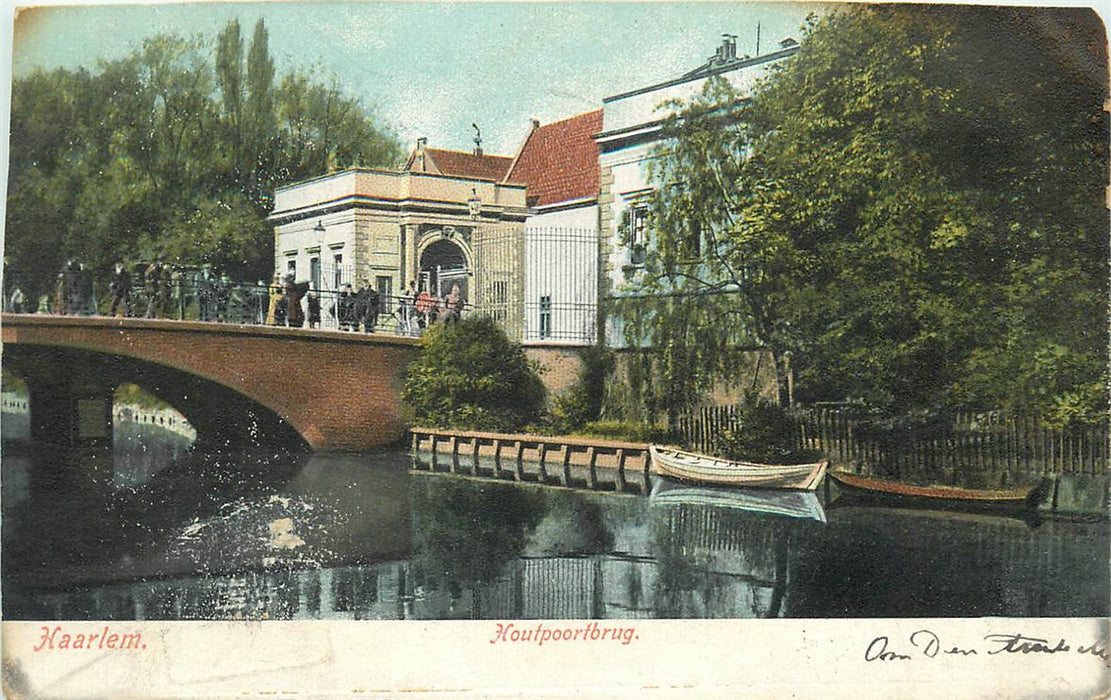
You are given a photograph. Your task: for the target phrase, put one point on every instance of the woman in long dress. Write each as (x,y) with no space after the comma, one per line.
(277,293)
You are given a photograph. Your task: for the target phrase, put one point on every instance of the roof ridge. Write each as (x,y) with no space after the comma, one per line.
(467,153)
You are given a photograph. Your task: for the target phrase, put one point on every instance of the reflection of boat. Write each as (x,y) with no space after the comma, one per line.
(703,469)
(789,503)
(844,511)
(948,497)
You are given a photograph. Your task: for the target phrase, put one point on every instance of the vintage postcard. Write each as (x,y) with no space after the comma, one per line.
(555,350)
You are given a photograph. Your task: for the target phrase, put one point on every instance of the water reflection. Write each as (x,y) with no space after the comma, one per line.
(308,536)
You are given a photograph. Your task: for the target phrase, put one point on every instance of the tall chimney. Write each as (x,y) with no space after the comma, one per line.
(422,142)
(728,48)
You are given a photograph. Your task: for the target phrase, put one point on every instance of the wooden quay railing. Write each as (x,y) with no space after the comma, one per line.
(592,463)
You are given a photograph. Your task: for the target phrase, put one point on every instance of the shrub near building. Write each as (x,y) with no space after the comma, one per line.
(469,375)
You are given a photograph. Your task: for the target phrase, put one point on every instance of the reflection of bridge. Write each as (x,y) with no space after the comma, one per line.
(237,385)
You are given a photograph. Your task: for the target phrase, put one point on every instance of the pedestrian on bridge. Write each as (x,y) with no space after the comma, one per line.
(294,292)
(276,295)
(345,309)
(151,285)
(69,289)
(119,289)
(371,309)
(207,292)
(313,303)
(407,310)
(17,301)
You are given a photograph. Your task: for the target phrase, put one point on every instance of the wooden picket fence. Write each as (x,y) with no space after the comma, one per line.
(971,443)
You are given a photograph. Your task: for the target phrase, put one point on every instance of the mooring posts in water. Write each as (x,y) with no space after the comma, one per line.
(579,462)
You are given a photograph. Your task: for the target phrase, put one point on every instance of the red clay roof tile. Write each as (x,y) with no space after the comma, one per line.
(559,161)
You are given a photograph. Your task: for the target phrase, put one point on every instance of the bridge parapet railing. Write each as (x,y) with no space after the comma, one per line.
(255,304)
(187,296)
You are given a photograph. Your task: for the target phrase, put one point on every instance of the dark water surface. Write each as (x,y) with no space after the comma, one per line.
(154,531)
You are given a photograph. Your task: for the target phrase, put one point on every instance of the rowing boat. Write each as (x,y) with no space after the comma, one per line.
(703,469)
(782,502)
(938,496)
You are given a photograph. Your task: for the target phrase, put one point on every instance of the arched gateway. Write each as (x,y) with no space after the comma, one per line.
(444,265)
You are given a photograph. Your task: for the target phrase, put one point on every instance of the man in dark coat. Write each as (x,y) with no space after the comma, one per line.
(360,307)
(206,294)
(165,289)
(345,309)
(313,302)
(371,307)
(120,290)
(151,283)
(294,291)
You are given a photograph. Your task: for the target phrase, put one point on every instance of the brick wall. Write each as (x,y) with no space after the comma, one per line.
(561,362)
(339,391)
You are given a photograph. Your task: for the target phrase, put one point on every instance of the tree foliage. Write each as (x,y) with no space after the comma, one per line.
(912,205)
(470,375)
(173,151)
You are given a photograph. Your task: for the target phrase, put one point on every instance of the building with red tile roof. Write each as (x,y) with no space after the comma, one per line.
(559,161)
(475,166)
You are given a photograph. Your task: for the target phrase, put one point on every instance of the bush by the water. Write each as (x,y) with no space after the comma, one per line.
(582,402)
(765,433)
(469,375)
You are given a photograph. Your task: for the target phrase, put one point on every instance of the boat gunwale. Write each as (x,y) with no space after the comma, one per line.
(934,491)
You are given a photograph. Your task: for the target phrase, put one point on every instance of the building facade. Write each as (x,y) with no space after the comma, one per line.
(537,240)
(558,163)
(447,220)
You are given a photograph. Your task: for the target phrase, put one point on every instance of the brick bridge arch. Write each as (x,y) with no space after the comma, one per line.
(335,390)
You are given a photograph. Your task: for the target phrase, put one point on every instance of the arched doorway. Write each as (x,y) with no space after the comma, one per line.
(443,265)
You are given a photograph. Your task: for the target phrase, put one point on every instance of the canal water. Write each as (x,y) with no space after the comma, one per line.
(155,530)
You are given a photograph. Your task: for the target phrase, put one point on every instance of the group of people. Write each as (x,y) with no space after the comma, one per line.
(168,289)
(163,290)
(284,307)
(354,309)
(419,310)
(73,292)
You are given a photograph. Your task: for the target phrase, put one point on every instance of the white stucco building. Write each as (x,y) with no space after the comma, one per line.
(631,130)
(559,164)
(447,219)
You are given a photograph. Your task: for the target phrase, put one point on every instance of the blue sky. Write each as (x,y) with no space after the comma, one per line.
(430,69)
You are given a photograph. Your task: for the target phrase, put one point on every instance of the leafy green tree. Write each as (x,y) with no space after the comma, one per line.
(912,205)
(710,285)
(470,375)
(172,151)
(262,118)
(229,78)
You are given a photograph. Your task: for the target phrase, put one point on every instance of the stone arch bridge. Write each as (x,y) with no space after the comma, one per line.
(237,385)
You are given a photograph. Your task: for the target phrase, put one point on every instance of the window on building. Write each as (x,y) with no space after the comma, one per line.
(546,317)
(337,271)
(500,300)
(291,267)
(314,272)
(638,233)
(384,285)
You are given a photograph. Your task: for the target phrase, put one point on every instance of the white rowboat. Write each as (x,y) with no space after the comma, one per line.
(702,469)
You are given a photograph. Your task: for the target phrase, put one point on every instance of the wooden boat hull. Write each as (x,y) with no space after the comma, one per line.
(938,497)
(788,503)
(701,469)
